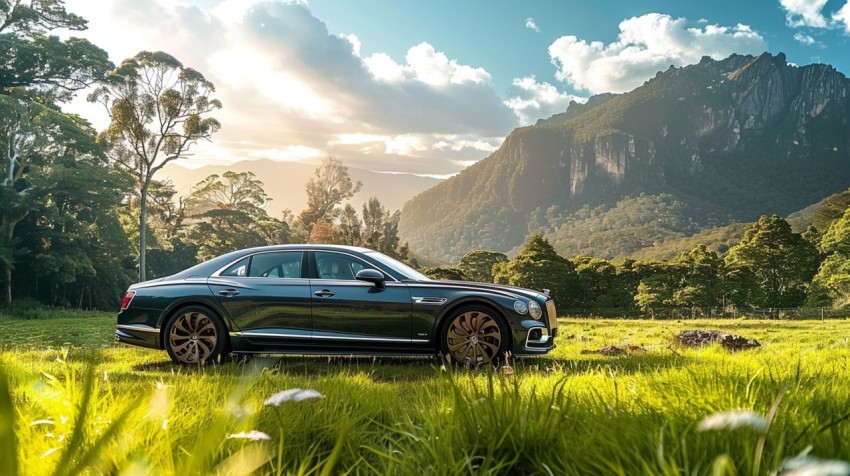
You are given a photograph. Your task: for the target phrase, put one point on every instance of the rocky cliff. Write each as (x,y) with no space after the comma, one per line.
(734,139)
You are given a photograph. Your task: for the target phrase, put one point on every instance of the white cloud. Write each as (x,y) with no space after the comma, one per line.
(804,13)
(645,45)
(842,16)
(426,65)
(531,100)
(291,89)
(531,24)
(804,39)
(435,69)
(808,40)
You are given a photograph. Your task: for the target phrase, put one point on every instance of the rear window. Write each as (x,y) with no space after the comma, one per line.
(285,264)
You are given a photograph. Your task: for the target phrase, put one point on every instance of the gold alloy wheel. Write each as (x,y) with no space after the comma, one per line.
(192,337)
(473,338)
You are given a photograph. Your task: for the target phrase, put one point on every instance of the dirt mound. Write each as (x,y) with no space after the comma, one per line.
(701,337)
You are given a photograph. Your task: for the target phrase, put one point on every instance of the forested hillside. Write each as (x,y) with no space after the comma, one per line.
(726,141)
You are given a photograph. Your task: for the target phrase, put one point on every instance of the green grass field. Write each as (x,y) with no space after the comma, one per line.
(81,404)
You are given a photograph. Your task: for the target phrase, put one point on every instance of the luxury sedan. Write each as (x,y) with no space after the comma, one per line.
(328,299)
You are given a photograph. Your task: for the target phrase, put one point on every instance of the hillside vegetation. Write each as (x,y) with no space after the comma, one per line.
(720,141)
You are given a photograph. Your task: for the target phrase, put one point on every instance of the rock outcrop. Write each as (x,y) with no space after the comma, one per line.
(741,136)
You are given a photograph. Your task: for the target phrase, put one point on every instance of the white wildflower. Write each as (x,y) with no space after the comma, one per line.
(292,395)
(252,435)
(810,466)
(732,420)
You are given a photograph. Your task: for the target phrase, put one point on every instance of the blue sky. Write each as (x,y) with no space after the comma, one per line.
(430,87)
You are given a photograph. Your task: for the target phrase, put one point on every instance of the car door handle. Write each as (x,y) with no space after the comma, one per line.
(228,292)
(324,293)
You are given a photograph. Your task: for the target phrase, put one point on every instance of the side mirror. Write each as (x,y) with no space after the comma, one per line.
(371,275)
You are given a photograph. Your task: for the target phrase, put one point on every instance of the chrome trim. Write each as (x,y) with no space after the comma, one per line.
(544,337)
(301,250)
(270,334)
(552,314)
(380,339)
(430,300)
(301,336)
(420,341)
(138,327)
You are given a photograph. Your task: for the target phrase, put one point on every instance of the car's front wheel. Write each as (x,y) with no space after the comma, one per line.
(474,335)
(194,336)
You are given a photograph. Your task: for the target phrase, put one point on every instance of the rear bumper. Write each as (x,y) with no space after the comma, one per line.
(139,335)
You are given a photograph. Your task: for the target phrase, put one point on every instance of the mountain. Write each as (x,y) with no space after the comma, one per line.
(284,183)
(724,140)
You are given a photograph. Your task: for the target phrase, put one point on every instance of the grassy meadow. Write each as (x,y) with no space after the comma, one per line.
(82,405)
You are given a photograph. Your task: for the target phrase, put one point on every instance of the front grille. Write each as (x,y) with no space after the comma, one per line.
(552,314)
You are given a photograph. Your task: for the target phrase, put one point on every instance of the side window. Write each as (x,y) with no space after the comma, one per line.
(285,264)
(338,266)
(240,268)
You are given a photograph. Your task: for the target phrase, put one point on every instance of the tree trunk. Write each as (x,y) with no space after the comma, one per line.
(143,228)
(8,292)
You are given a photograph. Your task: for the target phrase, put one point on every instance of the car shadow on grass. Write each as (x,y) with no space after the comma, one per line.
(388,368)
(621,364)
(393,368)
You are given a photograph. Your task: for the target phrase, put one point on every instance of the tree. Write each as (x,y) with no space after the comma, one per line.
(831,284)
(380,230)
(478,264)
(323,233)
(782,261)
(446,273)
(32,59)
(31,134)
(228,212)
(350,228)
(656,287)
(327,189)
(701,274)
(539,267)
(158,110)
(602,284)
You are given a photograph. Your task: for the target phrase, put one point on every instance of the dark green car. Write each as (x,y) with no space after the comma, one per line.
(327,299)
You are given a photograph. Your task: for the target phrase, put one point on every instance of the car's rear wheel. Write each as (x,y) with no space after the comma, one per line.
(474,335)
(194,335)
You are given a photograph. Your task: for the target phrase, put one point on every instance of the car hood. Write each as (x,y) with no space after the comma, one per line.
(498,288)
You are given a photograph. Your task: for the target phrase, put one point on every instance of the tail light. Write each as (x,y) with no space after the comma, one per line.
(127,298)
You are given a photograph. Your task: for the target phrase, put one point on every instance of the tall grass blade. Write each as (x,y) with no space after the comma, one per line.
(8,440)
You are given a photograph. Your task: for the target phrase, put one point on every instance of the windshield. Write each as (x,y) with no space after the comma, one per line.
(397,266)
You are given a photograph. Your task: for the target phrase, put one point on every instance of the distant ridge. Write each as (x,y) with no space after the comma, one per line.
(724,140)
(284,183)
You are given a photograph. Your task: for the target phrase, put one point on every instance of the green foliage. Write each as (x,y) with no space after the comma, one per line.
(228,213)
(158,110)
(445,273)
(33,59)
(781,260)
(603,284)
(538,267)
(329,187)
(578,177)
(478,264)
(64,238)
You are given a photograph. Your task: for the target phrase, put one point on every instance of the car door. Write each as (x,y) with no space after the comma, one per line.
(267,296)
(348,313)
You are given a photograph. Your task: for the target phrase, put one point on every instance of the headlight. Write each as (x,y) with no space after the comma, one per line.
(520,307)
(534,309)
